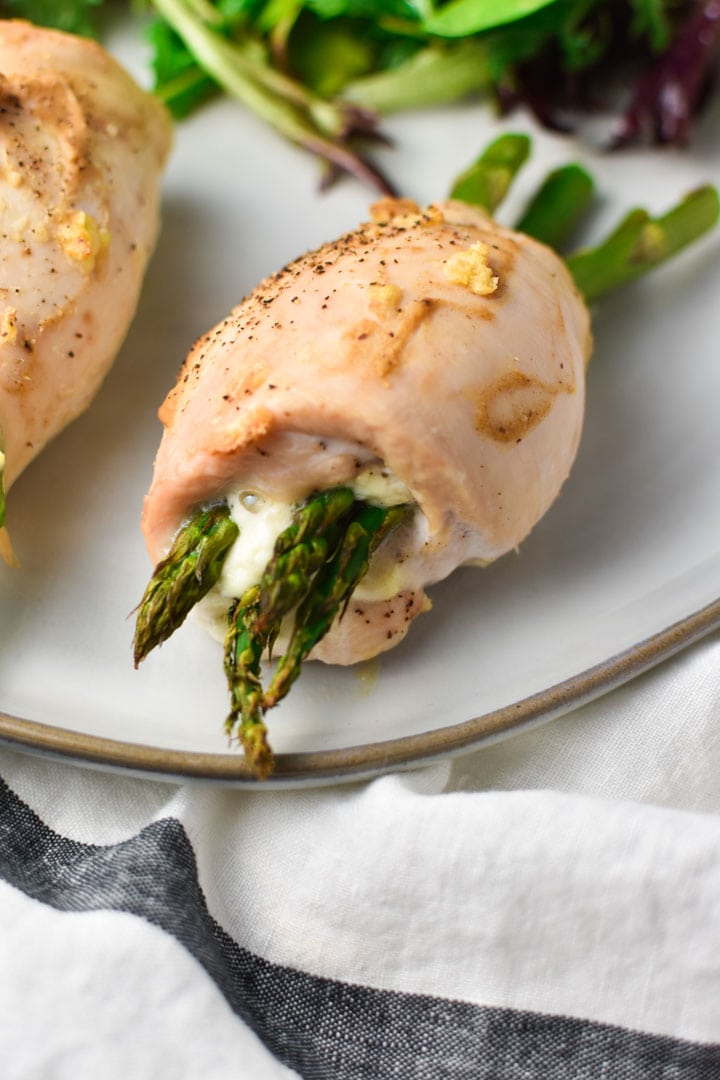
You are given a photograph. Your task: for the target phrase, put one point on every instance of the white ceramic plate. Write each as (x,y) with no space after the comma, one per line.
(624,570)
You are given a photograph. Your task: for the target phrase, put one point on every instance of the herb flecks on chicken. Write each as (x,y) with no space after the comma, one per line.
(415,390)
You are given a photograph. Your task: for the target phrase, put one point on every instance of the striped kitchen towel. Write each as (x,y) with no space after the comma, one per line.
(547,908)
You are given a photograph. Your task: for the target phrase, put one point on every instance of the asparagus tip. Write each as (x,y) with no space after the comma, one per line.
(258,753)
(487,181)
(252,736)
(183,577)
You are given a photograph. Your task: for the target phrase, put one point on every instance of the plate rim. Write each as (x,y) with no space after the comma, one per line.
(366,760)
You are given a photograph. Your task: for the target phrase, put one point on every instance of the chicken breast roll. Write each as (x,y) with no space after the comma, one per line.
(431,358)
(82,148)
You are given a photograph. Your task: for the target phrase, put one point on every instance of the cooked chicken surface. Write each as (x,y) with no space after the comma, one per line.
(429,357)
(81,152)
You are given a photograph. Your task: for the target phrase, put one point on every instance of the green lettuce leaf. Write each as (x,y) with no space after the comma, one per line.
(74,16)
(460,18)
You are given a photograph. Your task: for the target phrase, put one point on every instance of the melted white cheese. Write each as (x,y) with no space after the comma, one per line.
(376,484)
(261,520)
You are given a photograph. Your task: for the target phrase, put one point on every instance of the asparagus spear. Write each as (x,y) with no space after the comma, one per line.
(558,206)
(184,576)
(244,647)
(640,243)
(487,181)
(636,246)
(253,622)
(331,591)
(250,631)
(299,552)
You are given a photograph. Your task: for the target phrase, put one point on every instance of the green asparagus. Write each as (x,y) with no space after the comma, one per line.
(331,591)
(184,576)
(487,181)
(640,243)
(6,552)
(244,647)
(299,552)
(558,206)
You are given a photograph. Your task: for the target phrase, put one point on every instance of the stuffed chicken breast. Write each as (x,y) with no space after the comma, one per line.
(431,359)
(82,148)
(403,401)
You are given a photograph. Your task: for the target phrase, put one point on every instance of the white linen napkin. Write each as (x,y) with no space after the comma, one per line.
(547,906)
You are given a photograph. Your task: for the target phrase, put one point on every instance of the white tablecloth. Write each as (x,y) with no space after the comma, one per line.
(546,907)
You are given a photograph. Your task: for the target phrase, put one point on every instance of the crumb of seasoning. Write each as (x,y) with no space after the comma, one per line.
(390,208)
(472,269)
(82,239)
(384,298)
(8,326)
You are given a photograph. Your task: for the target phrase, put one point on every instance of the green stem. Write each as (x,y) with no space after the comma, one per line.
(184,576)
(243,656)
(558,206)
(190,82)
(331,591)
(299,553)
(281,102)
(640,243)
(206,10)
(487,181)
(436,75)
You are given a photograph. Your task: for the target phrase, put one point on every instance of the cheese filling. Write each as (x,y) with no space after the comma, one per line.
(261,520)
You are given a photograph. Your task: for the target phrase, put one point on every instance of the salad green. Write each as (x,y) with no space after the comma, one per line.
(324,71)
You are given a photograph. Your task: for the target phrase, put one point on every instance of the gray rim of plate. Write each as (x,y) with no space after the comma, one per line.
(371,759)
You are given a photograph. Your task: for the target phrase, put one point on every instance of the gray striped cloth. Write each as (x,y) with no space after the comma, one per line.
(547,908)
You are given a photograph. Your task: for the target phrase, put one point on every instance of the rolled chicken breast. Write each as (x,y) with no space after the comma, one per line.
(82,148)
(403,401)
(431,359)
